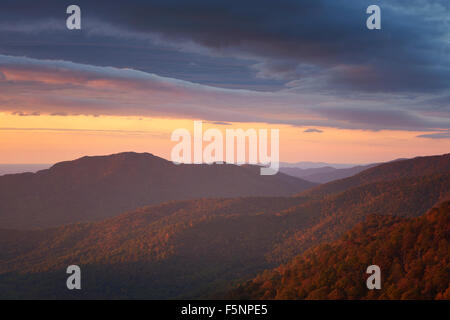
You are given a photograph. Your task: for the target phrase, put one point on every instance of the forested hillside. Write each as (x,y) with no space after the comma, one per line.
(193,248)
(413,254)
(95,188)
(420,166)
(196,248)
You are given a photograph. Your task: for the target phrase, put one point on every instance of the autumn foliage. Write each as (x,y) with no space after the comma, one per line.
(413,254)
(205,247)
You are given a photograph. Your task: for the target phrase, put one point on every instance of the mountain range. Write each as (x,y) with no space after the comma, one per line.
(315,165)
(21,168)
(207,247)
(95,188)
(325,174)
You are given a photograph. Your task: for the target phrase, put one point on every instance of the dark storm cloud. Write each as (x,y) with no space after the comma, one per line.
(288,37)
(317,60)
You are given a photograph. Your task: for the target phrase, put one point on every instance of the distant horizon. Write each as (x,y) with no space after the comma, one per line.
(281,161)
(337,91)
(9,168)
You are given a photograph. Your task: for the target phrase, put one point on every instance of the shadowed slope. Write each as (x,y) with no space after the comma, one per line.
(94,188)
(195,247)
(420,166)
(192,248)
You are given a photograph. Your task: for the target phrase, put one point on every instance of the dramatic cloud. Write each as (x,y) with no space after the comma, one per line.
(306,63)
(58,87)
(318,43)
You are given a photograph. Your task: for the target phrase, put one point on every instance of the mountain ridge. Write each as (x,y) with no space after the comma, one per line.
(189,249)
(192,248)
(325,174)
(412,253)
(94,188)
(415,167)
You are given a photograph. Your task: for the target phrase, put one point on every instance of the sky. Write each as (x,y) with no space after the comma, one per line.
(137,70)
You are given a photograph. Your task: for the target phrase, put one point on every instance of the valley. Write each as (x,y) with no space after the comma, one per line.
(205,247)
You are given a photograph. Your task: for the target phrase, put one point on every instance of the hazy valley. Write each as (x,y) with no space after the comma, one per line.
(205,247)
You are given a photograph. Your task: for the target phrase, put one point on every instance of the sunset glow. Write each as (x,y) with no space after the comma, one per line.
(50,139)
